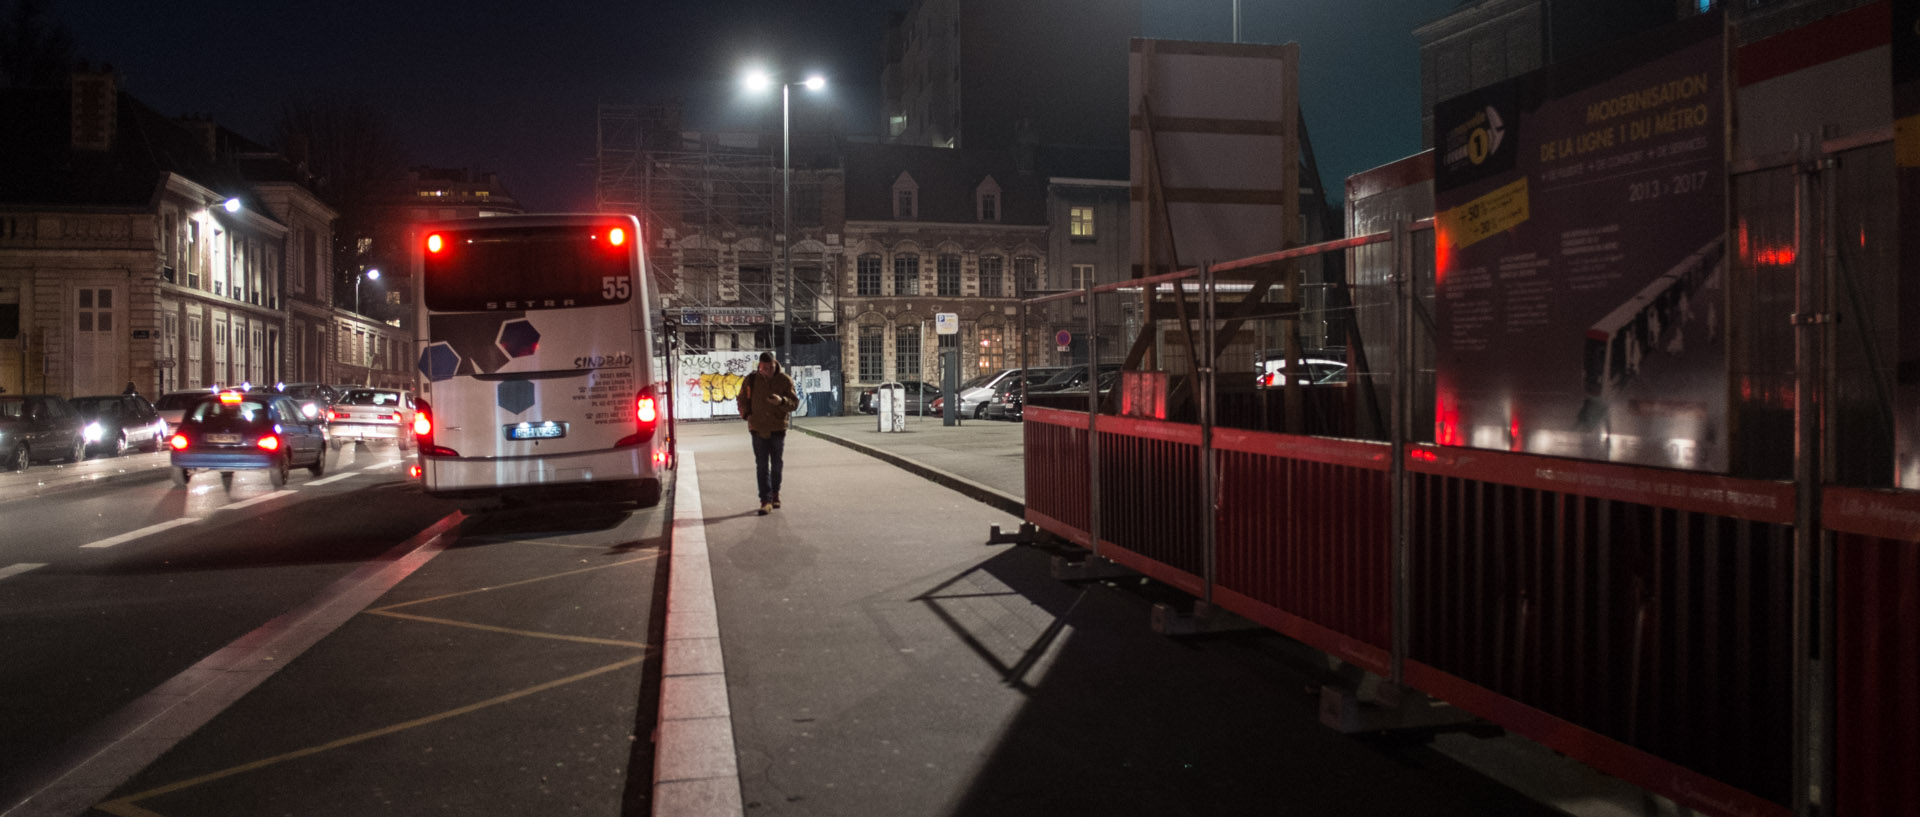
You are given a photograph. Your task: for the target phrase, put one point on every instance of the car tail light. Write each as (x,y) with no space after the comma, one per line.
(646,418)
(269,443)
(423,432)
(332,415)
(177,442)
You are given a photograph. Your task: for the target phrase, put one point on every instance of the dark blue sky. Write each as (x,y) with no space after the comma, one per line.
(513,86)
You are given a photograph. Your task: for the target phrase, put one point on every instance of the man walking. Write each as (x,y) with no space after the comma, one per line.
(766,401)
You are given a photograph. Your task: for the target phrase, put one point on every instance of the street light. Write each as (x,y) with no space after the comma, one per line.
(372,275)
(759,81)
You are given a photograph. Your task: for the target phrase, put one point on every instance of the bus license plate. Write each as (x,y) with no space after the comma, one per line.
(536,431)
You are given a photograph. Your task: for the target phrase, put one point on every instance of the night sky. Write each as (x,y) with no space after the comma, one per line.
(512,87)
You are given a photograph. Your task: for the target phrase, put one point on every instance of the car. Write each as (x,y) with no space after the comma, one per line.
(977,392)
(173,404)
(117,422)
(366,414)
(1319,370)
(319,396)
(39,427)
(919,397)
(1072,380)
(246,431)
(998,405)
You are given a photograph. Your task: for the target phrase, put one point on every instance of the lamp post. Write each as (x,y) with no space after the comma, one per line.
(372,274)
(756,81)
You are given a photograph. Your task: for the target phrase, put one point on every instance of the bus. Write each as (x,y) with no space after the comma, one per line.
(543,360)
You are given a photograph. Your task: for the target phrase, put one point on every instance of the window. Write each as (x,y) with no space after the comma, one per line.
(193,254)
(906,274)
(1024,269)
(992,275)
(1082,275)
(990,207)
(993,349)
(310,261)
(906,351)
(872,347)
(1080,222)
(947,275)
(905,197)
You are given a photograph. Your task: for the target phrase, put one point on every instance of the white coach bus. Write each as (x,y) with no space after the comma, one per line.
(542,358)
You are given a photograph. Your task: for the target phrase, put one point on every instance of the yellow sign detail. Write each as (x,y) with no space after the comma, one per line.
(1906,142)
(1495,212)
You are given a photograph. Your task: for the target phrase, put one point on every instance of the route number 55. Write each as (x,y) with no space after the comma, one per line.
(614,288)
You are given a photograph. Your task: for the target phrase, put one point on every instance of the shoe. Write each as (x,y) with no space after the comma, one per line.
(766,508)
(776,501)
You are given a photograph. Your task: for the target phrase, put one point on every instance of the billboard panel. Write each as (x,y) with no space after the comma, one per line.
(1580,270)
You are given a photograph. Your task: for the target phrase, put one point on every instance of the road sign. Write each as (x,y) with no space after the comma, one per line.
(1063,337)
(946,323)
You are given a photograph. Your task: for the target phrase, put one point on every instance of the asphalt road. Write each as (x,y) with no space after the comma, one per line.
(345,645)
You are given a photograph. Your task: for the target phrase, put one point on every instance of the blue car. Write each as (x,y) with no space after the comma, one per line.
(241,431)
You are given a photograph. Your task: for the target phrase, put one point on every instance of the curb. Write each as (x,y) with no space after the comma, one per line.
(987,495)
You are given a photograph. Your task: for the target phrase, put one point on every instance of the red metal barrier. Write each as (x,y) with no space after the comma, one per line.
(1303,535)
(1877,651)
(1634,618)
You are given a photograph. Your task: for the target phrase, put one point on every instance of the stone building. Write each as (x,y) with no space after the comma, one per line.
(932,230)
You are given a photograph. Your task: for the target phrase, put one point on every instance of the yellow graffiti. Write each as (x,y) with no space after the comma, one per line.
(719,387)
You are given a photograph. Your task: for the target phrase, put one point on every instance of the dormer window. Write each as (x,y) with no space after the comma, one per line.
(986,200)
(906,197)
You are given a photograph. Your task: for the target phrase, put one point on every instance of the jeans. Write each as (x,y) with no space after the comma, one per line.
(766,462)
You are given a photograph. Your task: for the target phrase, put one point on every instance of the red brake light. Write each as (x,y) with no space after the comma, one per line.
(644,409)
(616,236)
(422,424)
(269,443)
(178,442)
(435,243)
(332,415)
(646,415)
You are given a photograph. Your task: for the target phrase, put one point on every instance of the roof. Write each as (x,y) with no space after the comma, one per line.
(947,180)
(42,169)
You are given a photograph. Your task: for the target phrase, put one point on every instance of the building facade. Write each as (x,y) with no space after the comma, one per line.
(933,231)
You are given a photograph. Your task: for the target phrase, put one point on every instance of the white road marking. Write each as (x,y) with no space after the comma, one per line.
(334,478)
(15,570)
(136,534)
(257,500)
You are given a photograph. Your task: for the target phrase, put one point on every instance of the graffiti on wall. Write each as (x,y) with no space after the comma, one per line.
(709,383)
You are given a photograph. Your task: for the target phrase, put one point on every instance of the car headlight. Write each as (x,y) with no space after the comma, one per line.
(92,432)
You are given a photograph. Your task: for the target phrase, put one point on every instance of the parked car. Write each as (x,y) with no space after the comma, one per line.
(997,406)
(977,392)
(39,427)
(372,414)
(174,404)
(1072,382)
(919,396)
(117,422)
(1319,371)
(246,431)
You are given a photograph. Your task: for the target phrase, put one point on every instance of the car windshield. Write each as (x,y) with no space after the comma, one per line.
(97,406)
(980,382)
(246,410)
(179,400)
(12,408)
(371,397)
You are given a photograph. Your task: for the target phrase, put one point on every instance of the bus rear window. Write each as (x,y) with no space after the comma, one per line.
(528,268)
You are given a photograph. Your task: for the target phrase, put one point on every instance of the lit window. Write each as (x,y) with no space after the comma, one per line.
(1080,222)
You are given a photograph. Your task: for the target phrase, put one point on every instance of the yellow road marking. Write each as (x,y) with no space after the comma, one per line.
(583,639)
(647,557)
(125,806)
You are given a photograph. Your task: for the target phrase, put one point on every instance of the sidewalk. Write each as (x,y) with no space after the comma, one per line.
(982,459)
(879,660)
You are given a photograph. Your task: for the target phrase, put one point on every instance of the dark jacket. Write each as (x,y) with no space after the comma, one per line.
(765,416)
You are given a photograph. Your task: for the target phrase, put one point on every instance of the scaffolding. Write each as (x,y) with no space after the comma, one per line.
(711,206)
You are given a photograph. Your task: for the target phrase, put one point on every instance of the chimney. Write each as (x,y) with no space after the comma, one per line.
(203,130)
(94,106)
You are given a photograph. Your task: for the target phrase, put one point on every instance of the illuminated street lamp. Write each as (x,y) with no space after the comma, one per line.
(369,275)
(757,81)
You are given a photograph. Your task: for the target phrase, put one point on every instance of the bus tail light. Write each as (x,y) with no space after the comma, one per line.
(423,432)
(435,243)
(646,418)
